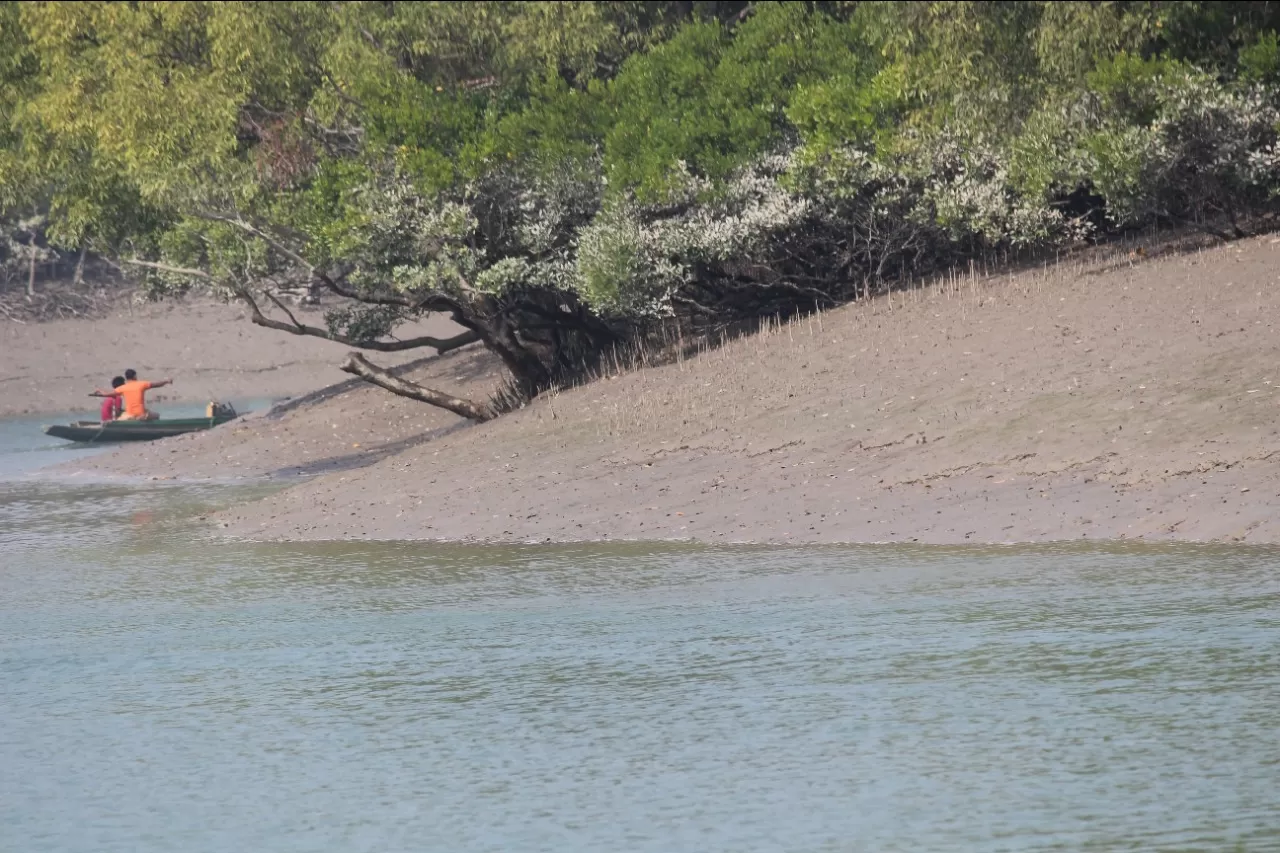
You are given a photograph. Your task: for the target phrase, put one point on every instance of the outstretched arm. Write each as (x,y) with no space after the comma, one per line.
(160,383)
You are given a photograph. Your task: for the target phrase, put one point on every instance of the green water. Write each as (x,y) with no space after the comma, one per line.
(163,692)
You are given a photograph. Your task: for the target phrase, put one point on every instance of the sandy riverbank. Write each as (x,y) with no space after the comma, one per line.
(1091,400)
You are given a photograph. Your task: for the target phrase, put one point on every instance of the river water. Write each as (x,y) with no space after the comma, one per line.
(165,691)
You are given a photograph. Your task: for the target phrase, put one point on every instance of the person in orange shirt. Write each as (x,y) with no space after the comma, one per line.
(134,393)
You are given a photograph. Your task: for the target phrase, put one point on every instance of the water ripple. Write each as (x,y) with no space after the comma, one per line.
(163,691)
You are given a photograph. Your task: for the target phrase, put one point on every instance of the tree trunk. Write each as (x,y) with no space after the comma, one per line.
(358,365)
(526,368)
(31,269)
(78,277)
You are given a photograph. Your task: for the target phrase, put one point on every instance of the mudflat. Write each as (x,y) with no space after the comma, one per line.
(1107,397)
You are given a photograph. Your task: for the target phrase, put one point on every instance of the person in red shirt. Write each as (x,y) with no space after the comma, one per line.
(113,404)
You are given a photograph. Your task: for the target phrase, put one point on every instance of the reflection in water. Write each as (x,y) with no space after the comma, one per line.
(167,691)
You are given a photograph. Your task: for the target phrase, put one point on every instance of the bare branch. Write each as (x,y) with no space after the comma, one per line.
(358,365)
(338,90)
(167,268)
(274,243)
(479,83)
(282,307)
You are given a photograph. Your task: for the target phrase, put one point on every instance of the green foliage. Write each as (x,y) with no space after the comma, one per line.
(613,274)
(713,99)
(1260,61)
(1159,140)
(1074,37)
(541,168)
(968,62)
(363,322)
(660,116)
(848,108)
(1131,88)
(559,122)
(1209,33)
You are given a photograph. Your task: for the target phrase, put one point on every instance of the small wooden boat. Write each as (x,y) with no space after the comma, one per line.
(93,432)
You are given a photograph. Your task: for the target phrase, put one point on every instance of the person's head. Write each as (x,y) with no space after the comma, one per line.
(130,374)
(117,381)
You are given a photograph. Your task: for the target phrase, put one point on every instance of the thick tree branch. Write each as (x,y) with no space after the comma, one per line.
(441,345)
(369,299)
(358,365)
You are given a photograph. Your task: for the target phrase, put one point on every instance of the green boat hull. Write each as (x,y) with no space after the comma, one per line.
(93,432)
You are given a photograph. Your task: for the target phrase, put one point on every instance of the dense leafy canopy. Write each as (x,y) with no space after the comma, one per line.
(554,175)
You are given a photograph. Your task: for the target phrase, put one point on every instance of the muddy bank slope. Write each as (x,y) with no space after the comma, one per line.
(1098,399)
